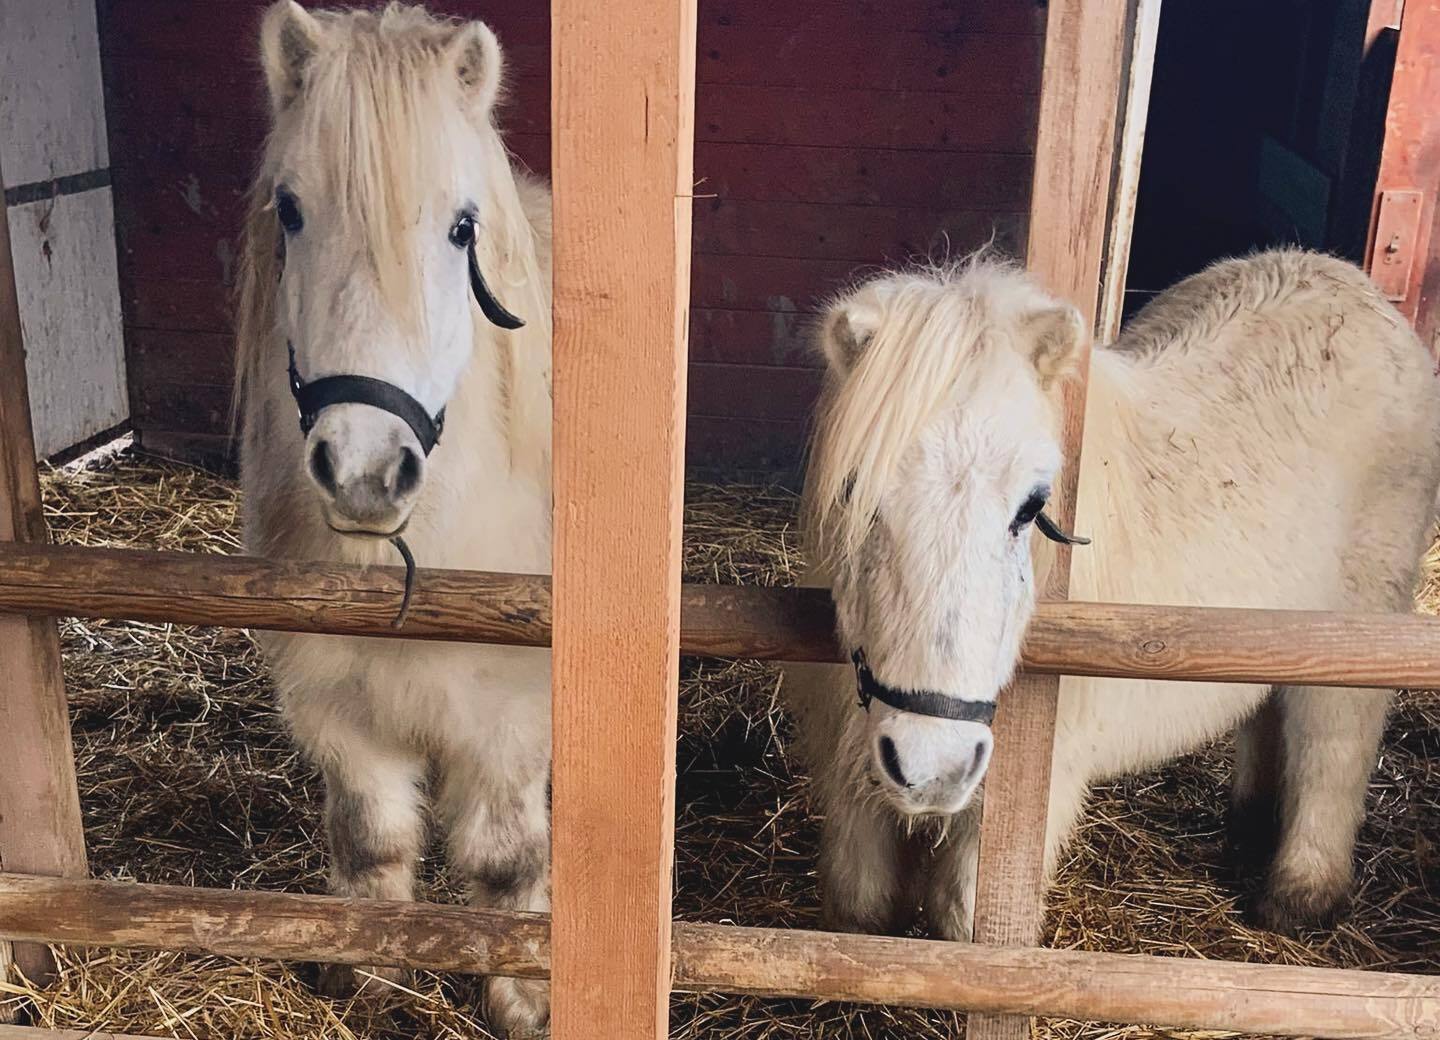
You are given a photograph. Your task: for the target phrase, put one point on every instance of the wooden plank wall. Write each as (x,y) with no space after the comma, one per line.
(62,227)
(831,136)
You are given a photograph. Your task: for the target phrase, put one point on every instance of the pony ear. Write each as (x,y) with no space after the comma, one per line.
(1057,336)
(848,327)
(475,55)
(289,38)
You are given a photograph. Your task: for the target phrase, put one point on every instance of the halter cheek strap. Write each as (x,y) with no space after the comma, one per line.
(1052,531)
(492,308)
(314,397)
(918,702)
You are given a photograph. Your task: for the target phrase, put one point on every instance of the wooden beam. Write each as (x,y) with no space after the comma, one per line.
(1125,988)
(1074,156)
(795,624)
(623,149)
(1410,166)
(279,925)
(1135,113)
(1128,989)
(1383,14)
(40,826)
(1129,641)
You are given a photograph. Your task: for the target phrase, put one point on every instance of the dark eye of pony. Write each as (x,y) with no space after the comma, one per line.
(1030,510)
(462,232)
(287,210)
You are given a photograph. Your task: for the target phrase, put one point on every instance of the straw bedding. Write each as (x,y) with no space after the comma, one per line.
(187,777)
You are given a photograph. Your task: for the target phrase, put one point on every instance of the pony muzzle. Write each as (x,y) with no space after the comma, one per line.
(927,766)
(368,468)
(929,749)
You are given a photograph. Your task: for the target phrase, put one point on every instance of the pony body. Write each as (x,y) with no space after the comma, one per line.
(1265,434)
(382,141)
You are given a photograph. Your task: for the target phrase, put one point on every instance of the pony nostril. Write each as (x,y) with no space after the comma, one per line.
(322,467)
(890,759)
(407,477)
(978,763)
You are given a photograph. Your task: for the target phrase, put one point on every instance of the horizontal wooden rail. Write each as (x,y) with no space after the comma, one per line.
(1126,641)
(1169,992)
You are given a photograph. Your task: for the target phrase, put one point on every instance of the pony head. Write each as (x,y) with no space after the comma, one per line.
(935,451)
(385,194)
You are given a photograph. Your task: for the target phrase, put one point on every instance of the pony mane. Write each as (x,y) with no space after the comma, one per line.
(934,332)
(384,110)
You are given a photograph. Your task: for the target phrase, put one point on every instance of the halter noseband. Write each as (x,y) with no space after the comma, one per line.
(314,397)
(931,702)
(918,702)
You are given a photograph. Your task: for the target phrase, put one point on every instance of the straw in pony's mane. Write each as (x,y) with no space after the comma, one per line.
(921,334)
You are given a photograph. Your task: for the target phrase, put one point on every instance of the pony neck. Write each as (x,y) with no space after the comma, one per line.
(1105,407)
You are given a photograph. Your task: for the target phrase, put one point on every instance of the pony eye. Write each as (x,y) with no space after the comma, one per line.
(1030,510)
(462,233)
(287,209)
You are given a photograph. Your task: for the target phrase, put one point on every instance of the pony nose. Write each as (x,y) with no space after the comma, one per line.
(930,766)
(366,492)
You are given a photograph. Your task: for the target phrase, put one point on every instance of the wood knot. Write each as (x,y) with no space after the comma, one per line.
(1153,646)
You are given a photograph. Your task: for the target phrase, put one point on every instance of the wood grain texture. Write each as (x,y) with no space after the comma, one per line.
(40,826)
(280,925)
(64,249)
(1074,156)
(1098,987)
(1410,156)
(1216,644)
(787,963)
(1134,113)
(623,110)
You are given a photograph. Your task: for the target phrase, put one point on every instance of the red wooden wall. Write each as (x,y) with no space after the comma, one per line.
(831,136)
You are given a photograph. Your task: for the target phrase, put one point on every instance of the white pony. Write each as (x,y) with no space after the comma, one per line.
(385,196)
(1265,434)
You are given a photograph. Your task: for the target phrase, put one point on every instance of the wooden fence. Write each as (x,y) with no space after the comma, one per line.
(623,102)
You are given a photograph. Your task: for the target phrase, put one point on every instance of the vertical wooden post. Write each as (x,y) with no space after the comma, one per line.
(1074,156)
(623,85)
(40,829)
(1134,114)
(1403,253)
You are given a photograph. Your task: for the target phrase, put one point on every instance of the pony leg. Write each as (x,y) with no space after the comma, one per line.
(372,817)
(949,900)
(1255,785)
(499,841)
(1331,739)
(861,886)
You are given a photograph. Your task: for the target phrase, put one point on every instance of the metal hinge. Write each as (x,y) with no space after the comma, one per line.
(1397,235)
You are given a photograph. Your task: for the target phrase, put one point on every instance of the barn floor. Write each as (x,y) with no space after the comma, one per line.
(187,777)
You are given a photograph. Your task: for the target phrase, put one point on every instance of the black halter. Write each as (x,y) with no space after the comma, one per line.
(918,702)
(1049,529)
(314,397)
(930,702)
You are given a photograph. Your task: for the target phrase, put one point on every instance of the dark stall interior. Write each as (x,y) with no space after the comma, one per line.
(1266,120)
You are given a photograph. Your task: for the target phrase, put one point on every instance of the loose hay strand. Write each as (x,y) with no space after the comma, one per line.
(188,777)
